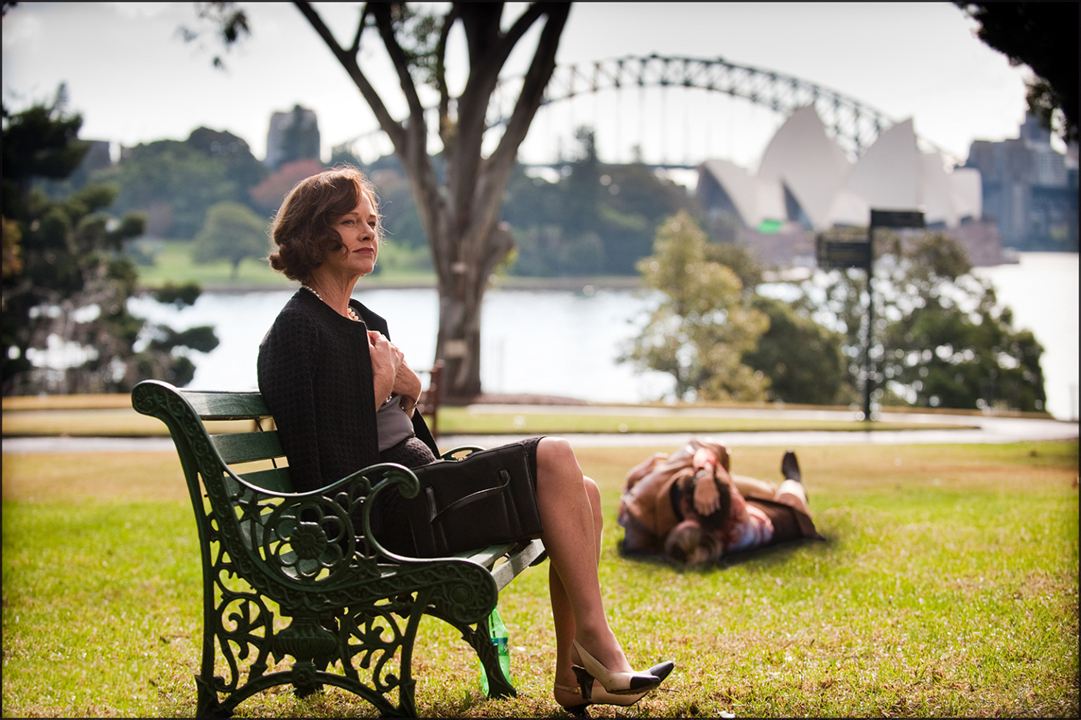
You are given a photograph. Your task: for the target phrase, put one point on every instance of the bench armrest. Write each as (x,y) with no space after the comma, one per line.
(463,450)
(314,534)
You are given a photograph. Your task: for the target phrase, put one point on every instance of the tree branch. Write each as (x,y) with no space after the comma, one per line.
(441,77)
(355,47)
(389,125)
(536,79)
(480,21)
(476,186)
(490,53)
(520,27)
(381,13)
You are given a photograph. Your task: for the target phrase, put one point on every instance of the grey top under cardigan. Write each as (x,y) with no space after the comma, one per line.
(315,374)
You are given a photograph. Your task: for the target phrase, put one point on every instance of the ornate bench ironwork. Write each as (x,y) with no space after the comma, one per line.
(300,576)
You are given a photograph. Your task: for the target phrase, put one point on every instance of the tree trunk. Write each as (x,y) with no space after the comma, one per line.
(458,343)
(460,215)
(461,297)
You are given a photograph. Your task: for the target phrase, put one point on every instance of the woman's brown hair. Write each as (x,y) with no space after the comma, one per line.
(692,545)
(303,228)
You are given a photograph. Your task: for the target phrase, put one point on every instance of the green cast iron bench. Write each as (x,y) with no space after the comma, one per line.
(289,575)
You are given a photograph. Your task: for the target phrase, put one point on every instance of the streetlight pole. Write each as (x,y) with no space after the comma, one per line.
(868,363)
(879,219)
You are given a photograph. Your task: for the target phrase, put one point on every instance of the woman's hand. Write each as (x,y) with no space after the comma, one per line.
(386,362)
(707,498)
(704,458)
(407,385)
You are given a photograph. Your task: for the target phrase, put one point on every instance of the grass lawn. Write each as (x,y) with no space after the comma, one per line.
(112,415)
(399,266)
(947,587)
(173,263)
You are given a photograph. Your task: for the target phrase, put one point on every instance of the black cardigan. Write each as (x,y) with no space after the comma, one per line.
(315,375)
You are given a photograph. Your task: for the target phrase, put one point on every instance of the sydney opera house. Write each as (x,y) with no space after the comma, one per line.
(805,184)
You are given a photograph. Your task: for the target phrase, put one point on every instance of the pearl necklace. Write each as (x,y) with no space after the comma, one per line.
(348,308)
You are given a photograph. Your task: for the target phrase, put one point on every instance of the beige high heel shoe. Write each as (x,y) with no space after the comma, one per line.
(616,683)
(597,695)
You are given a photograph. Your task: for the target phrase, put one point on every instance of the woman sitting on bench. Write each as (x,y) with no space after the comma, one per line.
(343,398)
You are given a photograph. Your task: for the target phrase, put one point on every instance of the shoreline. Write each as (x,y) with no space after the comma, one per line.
(578,284)
(515,282)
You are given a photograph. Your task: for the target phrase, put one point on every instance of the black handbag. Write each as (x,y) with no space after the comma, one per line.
(487,498)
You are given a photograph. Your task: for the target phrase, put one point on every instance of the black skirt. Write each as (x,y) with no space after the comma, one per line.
(788,522)
(486,498)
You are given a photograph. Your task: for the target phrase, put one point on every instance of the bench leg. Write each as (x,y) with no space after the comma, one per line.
(370,637)
(499,685)
(206,704)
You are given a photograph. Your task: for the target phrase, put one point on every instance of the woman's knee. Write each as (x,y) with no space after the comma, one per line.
(592,490)
(555,455)
(594,494)
(792,493)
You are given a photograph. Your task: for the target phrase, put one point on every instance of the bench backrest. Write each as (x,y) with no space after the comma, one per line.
(278,540)
(242,494)
(236,425)
(241,491)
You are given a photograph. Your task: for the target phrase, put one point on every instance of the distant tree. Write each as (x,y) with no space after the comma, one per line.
(802,359)
(269,193)
(1042,35)
(596,219)
(66,281)
(242,168)
(231,232)
(643,201)
(704,323)
(740,260)
(546,251)
(533,211)
(459,208)
(532,201)
(952,344)
(400,217)
(344,156)
(175,182)
(941,337)
(582,185)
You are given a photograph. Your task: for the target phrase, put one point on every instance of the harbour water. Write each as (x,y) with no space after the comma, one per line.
(566,343)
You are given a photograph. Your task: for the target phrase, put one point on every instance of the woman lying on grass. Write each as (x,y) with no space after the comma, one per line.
(688,506)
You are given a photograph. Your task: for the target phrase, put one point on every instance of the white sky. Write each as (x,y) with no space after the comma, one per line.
(134,80)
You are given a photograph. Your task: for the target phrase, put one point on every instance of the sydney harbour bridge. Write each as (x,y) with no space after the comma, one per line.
(666,100)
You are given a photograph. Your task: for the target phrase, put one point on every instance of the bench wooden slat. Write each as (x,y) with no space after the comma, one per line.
(248,446)
(503,573)
(220,405)
(487,556)
(274,479)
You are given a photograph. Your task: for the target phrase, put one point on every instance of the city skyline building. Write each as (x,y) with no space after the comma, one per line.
(804,179)
(1018,193)
(292,135)
(1029,189)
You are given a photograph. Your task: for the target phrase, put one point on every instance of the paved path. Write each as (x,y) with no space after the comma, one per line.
(991,430)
